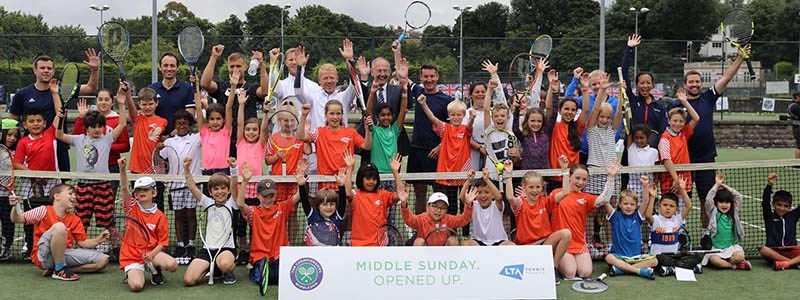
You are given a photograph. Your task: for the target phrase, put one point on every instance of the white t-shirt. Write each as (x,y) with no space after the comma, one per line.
(487,224)
(230,204)
(185,146)
(664,234)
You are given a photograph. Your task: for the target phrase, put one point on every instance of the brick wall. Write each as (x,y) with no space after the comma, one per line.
(753,134)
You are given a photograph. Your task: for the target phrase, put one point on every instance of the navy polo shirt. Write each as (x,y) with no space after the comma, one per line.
(423,136)
(180,96)
(702,146)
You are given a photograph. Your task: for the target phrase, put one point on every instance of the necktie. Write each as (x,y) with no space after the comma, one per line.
(381,98)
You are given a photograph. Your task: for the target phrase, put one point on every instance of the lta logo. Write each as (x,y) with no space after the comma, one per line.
(306,274)
(513,271)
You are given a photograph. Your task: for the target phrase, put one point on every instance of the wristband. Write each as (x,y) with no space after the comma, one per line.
(584,89)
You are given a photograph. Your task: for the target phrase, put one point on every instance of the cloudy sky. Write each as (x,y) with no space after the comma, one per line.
(374,12)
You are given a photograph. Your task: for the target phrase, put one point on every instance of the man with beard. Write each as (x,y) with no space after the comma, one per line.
(702,148)
(173,94)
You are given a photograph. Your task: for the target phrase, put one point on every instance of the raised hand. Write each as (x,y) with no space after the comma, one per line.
(605,81)
(470,174)
(121,98)
(577,72)
(422,100)
(273,55)
(485,173)
(241,96)
(83,108)
(493,84)
(402,196)
(473,114)
(644,180)
(341,176)
(246,173)
(347,49)
(542,64)
(306,110)
(216,51)
(652,189)
(302,166)
(368,121)
(563,162)
(187,163)
(300,56)
(681,95)
(363,66)
(489,67)
(396,162)
(771,178)
(552,77)
(508,166)
(122,162)
(124,87)
(257,55)
(612,169)
(349,159)
(472,194)
(92,58)
(634,40)
(585,80)
(719,178)
(54,86)
(401,69)
(396,46)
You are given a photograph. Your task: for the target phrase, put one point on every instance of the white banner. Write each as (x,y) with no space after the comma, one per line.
(514,272)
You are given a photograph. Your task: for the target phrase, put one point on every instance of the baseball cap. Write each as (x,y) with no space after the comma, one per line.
(9,124)
(144,183)
(266,187)
(438,197)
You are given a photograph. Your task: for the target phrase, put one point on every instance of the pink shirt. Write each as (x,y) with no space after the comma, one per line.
(253,155)
(216,148)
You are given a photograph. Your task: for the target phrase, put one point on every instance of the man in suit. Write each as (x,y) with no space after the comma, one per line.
(380,74)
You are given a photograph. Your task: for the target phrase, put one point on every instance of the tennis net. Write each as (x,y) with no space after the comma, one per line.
(748,177)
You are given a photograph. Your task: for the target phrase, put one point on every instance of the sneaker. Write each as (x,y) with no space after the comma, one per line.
(255,274)
(158,278)
(614,271)
(698,269)
(647,273)
(781,265)
(180,251)
(243,258)
(229,278)
(114,255)
(65,274)
(667,271)
(744,265)
(191,251)
(558,277)
(47,273)
(6,253)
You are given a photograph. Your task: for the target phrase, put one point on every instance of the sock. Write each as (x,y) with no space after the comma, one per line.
(180,244)
(706,232)
(191,243)
(59,266)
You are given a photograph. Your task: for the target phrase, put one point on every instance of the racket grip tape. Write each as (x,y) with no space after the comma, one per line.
(401,37)
(602,276)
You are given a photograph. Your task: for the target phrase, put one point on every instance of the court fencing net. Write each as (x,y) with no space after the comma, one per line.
(749,178)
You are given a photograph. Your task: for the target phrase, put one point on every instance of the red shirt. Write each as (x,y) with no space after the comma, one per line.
(571,213)
(424,224)
(269,230)
(293,154)
(38,153)
(559,144)
(156,226)
(121,145)
(331,145)
(454,154)
(675,148)
(533,220)
(142,149)
(42,218)
(369,214)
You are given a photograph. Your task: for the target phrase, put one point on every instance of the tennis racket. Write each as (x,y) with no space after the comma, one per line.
(68,85)
(737,27)
(274,68)
(623,96)
(353,72)
(388,235)
(520,74)
(115,42)
(264,284)
(417,15)
(218,232)
(439,236)
(498,141)
(322,233)
(591,286)
(7,174)
(284,140)
(541,47)
(134,235)
(190,45)
(162,159)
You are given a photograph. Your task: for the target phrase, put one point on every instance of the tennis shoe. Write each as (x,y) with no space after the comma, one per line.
(65,274)
(47,273)
(558,277)
(781,265)
(191,251)
(667,271)
(158,278)
(243,258)
(229,278)
(698,269)
(6,253)
(614,271)
(744,265)
(647,273)
(255,274)
(180,251)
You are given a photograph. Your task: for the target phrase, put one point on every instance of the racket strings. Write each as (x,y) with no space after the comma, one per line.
(190,43)
(417,15)
(542,47)
(738,26)
(114,40)
(6,168)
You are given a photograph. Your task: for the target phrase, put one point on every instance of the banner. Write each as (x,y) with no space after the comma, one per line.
(514,272)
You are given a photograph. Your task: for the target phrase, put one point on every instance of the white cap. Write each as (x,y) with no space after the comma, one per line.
(144,183)
(438,197)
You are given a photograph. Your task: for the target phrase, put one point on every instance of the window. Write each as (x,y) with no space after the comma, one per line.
(706,76)
(716,45)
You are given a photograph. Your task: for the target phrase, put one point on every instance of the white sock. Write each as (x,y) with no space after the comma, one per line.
(191,243)
(180,244)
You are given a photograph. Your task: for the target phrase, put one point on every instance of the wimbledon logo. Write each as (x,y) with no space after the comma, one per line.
(306,274)
(513,271)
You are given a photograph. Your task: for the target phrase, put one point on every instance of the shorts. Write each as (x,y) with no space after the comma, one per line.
(203,253)
(419,162)
(796,134)
(634,259)
(134,266)
(725,254)
(535,243)
(72,257)
(182,198)
(493,244)
(789,253)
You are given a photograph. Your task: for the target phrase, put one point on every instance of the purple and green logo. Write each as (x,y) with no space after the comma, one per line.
(306,274)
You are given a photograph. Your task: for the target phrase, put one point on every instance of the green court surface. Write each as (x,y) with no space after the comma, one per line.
(23,281)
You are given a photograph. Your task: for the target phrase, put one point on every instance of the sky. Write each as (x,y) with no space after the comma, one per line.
(373,12)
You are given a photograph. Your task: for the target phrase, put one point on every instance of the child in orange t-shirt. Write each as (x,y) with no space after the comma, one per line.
(532,209)
(333,140)
(454,151)
(565,138)
(573,207)
(436,215)
(140,206)
(148,129)
(673,148)
(369,203)
(268,222)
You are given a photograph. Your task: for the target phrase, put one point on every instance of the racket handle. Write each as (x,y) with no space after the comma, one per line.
(151,268)
(20,209)
(602,276)
(750,69)
(401,38)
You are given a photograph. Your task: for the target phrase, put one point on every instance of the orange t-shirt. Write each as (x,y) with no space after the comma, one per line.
(559,144)
(533,220)
(42,218)
(454,154)
(571,213)
(676,148)
(331,145)
(269,230)
(424,224)
(142,147)
(292,155)
(157,228)
(369,214)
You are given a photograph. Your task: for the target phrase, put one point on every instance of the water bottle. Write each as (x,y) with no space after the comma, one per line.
(253,70)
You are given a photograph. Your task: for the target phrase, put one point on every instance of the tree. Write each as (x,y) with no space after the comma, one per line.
(775,21)
(21,30)
(69,42)
(263,26)
(488,21)
(229,33)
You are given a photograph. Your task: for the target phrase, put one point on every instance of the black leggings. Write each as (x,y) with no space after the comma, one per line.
(5,218)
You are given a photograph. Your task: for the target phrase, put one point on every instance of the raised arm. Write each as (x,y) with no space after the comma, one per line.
(585,96)
(605,196)
(541,65)
(487,115)
(263,133)
(122,98)
(241,97)
(300,176)
(93,61)
(395,164)
(617,119)
(651,192)
(246,175)
(422,100)
(633,41)
(234,78)
(263,74)
(509,186)
(602,95)
(349,162)
(462,196)
(190,183)
(123,179)
(576,78)
(367,144)
(495,192)
(401,116)
(695,118)
(199,98)
(730,72)
(233,179)
(566,188)
(301,126)
(551,100)
(645,194)
(687,201)
(206,80)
